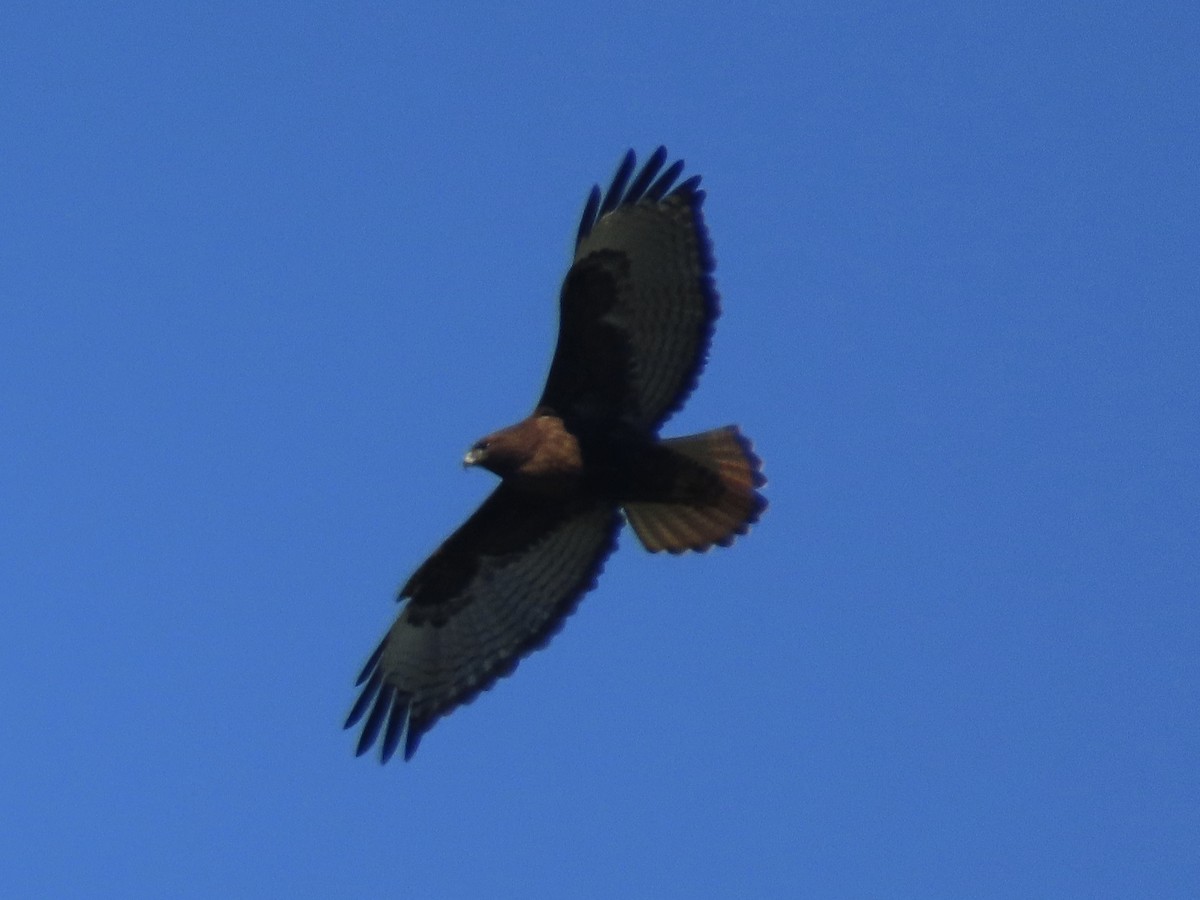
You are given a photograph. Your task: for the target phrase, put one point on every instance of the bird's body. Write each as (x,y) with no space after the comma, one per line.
(636,316)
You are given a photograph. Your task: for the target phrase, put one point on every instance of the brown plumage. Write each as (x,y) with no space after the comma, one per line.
(636,316)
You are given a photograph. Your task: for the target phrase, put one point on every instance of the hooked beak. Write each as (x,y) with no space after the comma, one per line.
(474,455)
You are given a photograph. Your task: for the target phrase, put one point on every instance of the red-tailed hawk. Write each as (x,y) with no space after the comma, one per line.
(636,315)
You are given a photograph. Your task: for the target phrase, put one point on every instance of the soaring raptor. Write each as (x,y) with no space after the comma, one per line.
(635,318)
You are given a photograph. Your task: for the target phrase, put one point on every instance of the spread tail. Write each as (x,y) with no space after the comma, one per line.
(705,493)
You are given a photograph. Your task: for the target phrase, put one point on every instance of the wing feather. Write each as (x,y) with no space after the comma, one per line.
(590,208)
(494,592)
(642,182)
(660,187)
(614,197)
(638,304)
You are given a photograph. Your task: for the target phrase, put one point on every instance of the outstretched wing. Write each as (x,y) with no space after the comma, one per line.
(495,591)
(638,304)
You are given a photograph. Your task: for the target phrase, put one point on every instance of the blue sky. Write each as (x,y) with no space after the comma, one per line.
(266,270)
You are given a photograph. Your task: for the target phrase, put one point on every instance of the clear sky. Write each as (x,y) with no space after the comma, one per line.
(268,269)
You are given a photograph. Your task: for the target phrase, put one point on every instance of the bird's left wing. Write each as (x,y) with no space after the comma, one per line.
(495,591)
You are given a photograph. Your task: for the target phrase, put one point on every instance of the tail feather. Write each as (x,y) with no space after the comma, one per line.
(708,498)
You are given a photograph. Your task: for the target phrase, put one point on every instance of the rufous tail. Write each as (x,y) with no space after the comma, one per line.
(707,493)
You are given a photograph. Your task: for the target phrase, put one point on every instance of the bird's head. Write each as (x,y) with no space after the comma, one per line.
(501,453)
(506,451)
(478,453)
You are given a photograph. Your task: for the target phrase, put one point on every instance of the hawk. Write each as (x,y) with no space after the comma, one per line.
(636,315)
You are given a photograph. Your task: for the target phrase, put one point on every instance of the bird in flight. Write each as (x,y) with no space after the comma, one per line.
(636,315)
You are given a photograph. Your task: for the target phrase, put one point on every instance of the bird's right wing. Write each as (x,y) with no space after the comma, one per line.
(638,304)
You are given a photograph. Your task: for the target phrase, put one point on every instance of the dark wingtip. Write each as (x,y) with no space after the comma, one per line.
(364,699)
(413,741)
(616,190)
(644,186)
(397,720)
(588,219)
(371,663)
(371,729)
(656,191)
(690,188)
(638,189)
